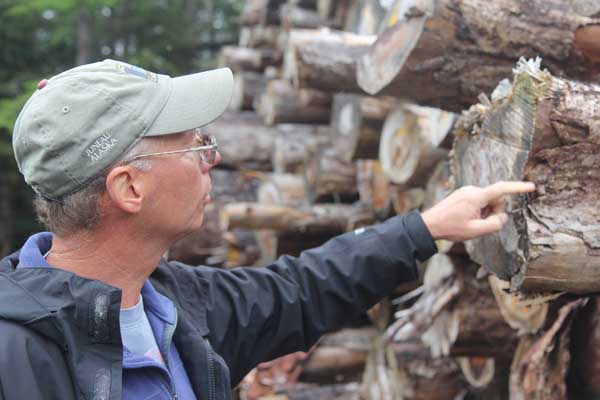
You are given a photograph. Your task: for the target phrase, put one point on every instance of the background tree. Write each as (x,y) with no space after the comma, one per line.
(40,38)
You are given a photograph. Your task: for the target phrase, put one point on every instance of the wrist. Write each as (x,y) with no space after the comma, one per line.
(431,222)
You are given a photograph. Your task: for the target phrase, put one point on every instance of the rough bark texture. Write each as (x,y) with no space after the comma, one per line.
(545,130)
(356,123)
(243,140)
(282,103)
(324,60)
(259,36)
(444,53)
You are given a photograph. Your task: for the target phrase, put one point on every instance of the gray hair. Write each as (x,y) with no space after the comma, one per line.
(80,211)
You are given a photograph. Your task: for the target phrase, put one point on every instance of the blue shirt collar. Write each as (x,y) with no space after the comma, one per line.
(32,255)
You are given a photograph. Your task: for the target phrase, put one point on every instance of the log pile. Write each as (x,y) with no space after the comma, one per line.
(344,115)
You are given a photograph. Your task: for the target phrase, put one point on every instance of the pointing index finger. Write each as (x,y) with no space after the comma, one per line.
(500,189)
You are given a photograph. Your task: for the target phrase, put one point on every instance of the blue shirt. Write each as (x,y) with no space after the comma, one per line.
(143,377)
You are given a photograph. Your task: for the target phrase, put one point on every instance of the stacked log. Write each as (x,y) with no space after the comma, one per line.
(332,121)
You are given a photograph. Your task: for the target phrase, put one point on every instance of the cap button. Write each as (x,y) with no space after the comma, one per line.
(42,83)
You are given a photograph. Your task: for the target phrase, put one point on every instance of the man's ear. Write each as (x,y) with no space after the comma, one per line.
(125,188)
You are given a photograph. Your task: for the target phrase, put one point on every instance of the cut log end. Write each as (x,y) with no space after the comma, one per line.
(479,371)
(587,40)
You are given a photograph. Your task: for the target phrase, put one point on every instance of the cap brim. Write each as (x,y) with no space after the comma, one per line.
(195,100)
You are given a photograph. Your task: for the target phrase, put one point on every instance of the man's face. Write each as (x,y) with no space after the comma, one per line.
(179,187)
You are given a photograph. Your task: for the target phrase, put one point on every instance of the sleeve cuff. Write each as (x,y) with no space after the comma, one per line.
(420,235)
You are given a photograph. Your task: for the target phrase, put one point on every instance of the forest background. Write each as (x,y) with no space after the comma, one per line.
(40,38)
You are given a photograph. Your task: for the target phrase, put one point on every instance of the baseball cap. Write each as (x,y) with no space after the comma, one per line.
(80,122)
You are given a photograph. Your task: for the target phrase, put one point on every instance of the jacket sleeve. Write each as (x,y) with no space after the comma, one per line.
(257,314)
(31,367)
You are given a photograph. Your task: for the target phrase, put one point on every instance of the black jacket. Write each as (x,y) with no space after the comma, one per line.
(60,336)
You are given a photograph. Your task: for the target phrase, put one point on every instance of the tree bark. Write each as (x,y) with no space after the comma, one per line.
(260,12)
(544,130)
(85,39)
(540,364)
(409,148)
(356,123)
(327,177)
(248,59)
(324,60)
(244,141)
(444,53)
(247,87)
(282,103)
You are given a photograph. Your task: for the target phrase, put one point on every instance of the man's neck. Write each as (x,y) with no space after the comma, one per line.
(117,259)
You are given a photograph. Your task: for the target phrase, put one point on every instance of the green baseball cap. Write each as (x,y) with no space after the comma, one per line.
(80,122)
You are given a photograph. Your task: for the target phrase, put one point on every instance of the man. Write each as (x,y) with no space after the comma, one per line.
(92,311)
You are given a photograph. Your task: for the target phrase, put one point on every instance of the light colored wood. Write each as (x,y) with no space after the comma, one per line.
(541,129)
(356,123)
(443,53)
(409,148)
(281,103)
(294,17)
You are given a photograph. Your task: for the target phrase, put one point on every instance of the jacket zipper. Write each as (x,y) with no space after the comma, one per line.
(211,373)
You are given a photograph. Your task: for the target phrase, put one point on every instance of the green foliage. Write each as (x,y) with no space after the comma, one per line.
(40,38)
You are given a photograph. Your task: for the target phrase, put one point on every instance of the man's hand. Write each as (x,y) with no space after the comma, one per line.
(470,211)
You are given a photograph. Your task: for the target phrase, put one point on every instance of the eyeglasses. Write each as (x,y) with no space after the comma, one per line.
(208,149)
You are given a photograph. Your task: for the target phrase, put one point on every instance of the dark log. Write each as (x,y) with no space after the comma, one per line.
(301,18)
(247,87)
(545,130)
(292,143)
(445,53)
(374,187)
(282,103)
(244,141)
(248,59)
(409,148)
(584,369)
(356,123)
(324,60)
(540,364)
(326,176)
(339,11)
